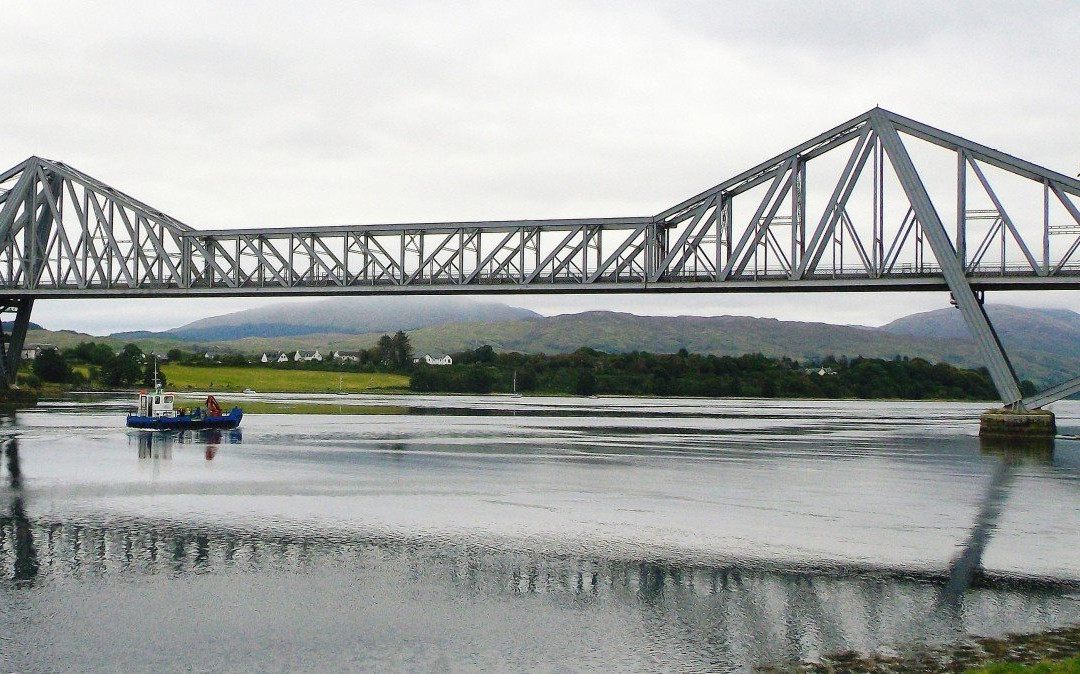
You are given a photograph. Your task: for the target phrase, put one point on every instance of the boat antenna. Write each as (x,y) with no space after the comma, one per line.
(156,385)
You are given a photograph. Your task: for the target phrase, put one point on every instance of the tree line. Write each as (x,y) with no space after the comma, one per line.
(102,367)
(590,372)
(584,372)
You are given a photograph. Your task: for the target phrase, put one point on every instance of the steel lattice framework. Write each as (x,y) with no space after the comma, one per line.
(845,211)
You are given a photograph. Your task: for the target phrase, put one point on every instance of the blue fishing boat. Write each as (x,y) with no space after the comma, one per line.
(158,413)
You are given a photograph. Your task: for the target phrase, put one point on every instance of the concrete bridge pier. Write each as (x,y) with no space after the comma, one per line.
(1018,428)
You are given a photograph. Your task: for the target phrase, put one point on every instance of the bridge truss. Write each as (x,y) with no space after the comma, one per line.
(881,202)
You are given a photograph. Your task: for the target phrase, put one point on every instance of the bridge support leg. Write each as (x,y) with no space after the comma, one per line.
(11,343)
(997,362)
(1015,420)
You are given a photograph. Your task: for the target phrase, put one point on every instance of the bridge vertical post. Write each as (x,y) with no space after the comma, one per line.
(798,213)
(1001,370)
(961,208)
(723,233)
(11,345)
(877,245)
(41,222)
(1046,228)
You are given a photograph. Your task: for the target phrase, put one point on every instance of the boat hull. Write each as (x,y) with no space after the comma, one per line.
(186,422)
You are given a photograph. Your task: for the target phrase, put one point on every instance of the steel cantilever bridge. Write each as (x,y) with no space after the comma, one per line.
(881,202)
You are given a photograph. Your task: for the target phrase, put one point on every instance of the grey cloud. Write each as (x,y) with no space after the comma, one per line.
(277,113)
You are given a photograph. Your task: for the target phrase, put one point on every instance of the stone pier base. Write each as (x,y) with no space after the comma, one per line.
(1018,424)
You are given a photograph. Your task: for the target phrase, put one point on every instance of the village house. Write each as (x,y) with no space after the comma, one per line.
(307,356)
(32,351)
(347,356)
(275,357)
(436,359)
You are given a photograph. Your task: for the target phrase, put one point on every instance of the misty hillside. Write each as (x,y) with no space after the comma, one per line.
(345,315)
(1053,331)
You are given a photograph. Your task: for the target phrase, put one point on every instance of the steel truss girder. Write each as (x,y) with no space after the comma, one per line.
(66,234)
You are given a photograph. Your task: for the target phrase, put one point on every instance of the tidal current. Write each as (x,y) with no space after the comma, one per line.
(502,533)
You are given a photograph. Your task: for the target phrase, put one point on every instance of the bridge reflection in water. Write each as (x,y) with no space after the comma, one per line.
(730,612)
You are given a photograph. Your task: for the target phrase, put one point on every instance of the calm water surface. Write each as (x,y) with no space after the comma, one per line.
(461,533)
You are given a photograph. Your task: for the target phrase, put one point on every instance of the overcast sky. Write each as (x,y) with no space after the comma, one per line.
(229,114)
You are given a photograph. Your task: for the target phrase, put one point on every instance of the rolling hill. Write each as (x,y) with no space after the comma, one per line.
(1043,343)
(344,315)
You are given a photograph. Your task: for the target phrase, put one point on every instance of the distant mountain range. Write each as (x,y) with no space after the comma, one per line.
(1043,343)
(342,315)
(8,325)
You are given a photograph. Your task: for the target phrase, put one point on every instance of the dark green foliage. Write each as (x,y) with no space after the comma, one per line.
(401,351)
(385,349)
(50,365)
(124,369)
(588,372)
(472,378)
(91,353)
(586,382)
(148,374)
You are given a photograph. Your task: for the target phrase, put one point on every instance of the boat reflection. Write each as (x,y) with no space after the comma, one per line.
(158,445)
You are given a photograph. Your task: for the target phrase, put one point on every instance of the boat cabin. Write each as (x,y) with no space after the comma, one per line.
(156,404)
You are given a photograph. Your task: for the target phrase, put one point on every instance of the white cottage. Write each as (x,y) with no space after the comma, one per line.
(438,359)
(275,357)
(307,356)
(32,351)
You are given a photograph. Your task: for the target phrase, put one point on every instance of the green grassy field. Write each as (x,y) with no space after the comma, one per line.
(266,379)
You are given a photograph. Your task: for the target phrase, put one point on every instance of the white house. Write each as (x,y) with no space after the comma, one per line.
(351,356)
(32,351)
(437,359)
(275,357)
(306,356)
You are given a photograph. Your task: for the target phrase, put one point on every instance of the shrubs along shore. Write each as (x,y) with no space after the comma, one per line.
(390,366)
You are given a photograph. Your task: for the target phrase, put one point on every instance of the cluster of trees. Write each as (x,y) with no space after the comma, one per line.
(94,364)
(393,353)
(589,372)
